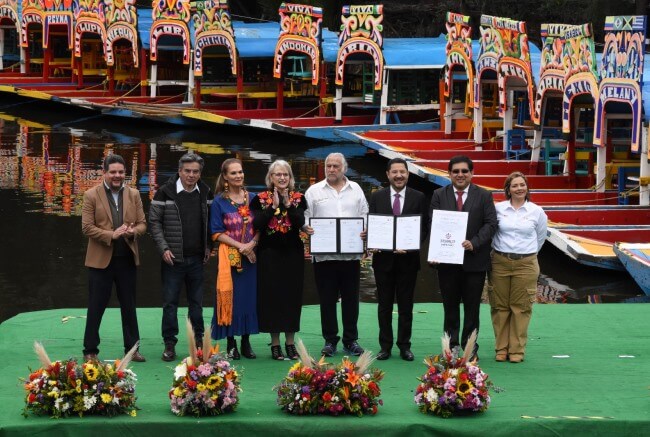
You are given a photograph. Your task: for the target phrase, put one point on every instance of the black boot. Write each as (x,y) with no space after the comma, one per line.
(231,349)
(246,349)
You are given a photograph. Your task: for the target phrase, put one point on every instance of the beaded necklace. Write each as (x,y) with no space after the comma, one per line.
(242,208)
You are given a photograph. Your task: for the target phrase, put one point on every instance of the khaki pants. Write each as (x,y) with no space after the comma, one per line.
(514,286)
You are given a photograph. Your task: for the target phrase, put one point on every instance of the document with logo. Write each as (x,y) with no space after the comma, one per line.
(448,230)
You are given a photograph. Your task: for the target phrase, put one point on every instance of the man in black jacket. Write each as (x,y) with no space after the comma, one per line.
(396,271)
(178,220)
(464,283)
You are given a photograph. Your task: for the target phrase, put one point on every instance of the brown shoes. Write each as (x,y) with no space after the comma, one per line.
(170,352)
(501,357)
(138,358)
(516,358)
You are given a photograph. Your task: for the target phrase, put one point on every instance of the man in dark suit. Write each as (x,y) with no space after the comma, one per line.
(464,283)
(396,271)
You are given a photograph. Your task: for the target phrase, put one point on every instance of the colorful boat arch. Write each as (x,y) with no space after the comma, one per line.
(361,32)
(9,10)
(300,31)
(170,19)
(551,76)
(58,13)
(213,27)
(89,18)
(32,13)
(121,20)
(622,72)
(580,71)
(459,51)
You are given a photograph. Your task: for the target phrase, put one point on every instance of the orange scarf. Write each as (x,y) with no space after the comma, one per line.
(224,285)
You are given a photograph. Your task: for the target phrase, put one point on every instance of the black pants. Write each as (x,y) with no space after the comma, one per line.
(395,286)
(334,279)
(456,286)
(122,272)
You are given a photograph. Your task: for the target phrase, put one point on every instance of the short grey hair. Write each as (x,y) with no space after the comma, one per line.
(188,158)
(273,167)
(341,157)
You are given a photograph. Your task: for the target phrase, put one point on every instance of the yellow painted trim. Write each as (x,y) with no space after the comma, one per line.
(205,116)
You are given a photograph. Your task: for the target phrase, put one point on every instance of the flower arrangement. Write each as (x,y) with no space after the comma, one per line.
(320,388)
(205,383)
(65,388)
(453,384)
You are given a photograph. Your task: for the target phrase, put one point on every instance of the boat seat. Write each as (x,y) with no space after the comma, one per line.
(516,144)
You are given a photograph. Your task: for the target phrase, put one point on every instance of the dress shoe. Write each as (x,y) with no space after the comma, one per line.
(353,349)
(407,355)
(169,353)
(292,352)
(246,349)
(516,358)
(90,357)
(231,349)
(328,350)
(138,358)
(383,355)
(501,357)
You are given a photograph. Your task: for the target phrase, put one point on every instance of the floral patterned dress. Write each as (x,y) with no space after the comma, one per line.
(228,217)
(281,260)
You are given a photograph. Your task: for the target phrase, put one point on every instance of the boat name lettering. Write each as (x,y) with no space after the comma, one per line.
(32,18)
(573,32)
(300,9)
(168,29)
(6,11)
(58,19)
(456,58)
(211,40)
(577,87)
(362,9)
(513,70)
(117,32)
(487,62)
(89,26)
(623,93)
(455,18)
(556,29)
(297,46)
(551,82)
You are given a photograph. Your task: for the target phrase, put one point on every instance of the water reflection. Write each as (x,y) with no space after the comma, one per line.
(44,173)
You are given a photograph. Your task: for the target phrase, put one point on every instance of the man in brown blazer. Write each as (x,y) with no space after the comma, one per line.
(112,218)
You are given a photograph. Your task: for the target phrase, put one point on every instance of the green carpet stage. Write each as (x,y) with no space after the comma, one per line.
(587,372)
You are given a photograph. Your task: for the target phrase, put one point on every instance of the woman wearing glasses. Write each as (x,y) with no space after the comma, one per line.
(278,217)
(520,235)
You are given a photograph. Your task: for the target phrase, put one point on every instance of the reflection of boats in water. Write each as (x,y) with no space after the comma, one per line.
(551,291)
(636,259)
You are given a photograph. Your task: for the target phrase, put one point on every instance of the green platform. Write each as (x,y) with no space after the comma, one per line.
(596,390)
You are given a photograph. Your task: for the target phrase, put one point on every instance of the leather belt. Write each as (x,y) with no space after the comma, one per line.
(514,256)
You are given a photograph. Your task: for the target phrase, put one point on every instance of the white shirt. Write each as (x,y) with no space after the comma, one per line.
(402,196)
(522,230)
(324,201)
(180,187)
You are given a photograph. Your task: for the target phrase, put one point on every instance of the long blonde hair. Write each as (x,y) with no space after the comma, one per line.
(221,187)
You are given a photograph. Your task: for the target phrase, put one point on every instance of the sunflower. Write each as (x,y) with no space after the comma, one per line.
(213,381)
(91,372)
(464,388)
(106,398)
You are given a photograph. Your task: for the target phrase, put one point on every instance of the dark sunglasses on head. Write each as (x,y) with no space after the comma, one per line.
(462,170)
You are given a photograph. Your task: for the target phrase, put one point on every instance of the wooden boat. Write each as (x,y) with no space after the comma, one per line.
(635,257)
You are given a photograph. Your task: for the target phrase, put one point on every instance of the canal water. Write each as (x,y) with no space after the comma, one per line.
(45,167)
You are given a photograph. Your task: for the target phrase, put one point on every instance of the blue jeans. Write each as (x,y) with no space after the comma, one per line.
(190,273)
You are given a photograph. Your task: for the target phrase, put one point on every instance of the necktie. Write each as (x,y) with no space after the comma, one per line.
(396,205)
(459,200)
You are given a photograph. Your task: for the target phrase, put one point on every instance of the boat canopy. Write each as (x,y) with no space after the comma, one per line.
(645,91)
(145,20)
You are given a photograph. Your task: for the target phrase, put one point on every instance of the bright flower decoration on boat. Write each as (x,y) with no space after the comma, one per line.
(321,388)
(205,383)
(66,388)
(452,384)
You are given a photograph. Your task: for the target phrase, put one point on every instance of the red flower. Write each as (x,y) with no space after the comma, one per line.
(244,211)
(327,397)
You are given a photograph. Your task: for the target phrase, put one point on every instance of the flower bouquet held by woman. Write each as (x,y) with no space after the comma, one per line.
(205,384)
(67,387)
(453,384)
(316,387)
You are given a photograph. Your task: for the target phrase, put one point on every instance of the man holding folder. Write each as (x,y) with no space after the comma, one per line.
(464,282)
(396,271)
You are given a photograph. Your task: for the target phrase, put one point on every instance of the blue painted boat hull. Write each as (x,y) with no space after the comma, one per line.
(636,262)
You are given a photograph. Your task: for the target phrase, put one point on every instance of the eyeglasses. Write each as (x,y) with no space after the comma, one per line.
(461,170)
(281,175)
